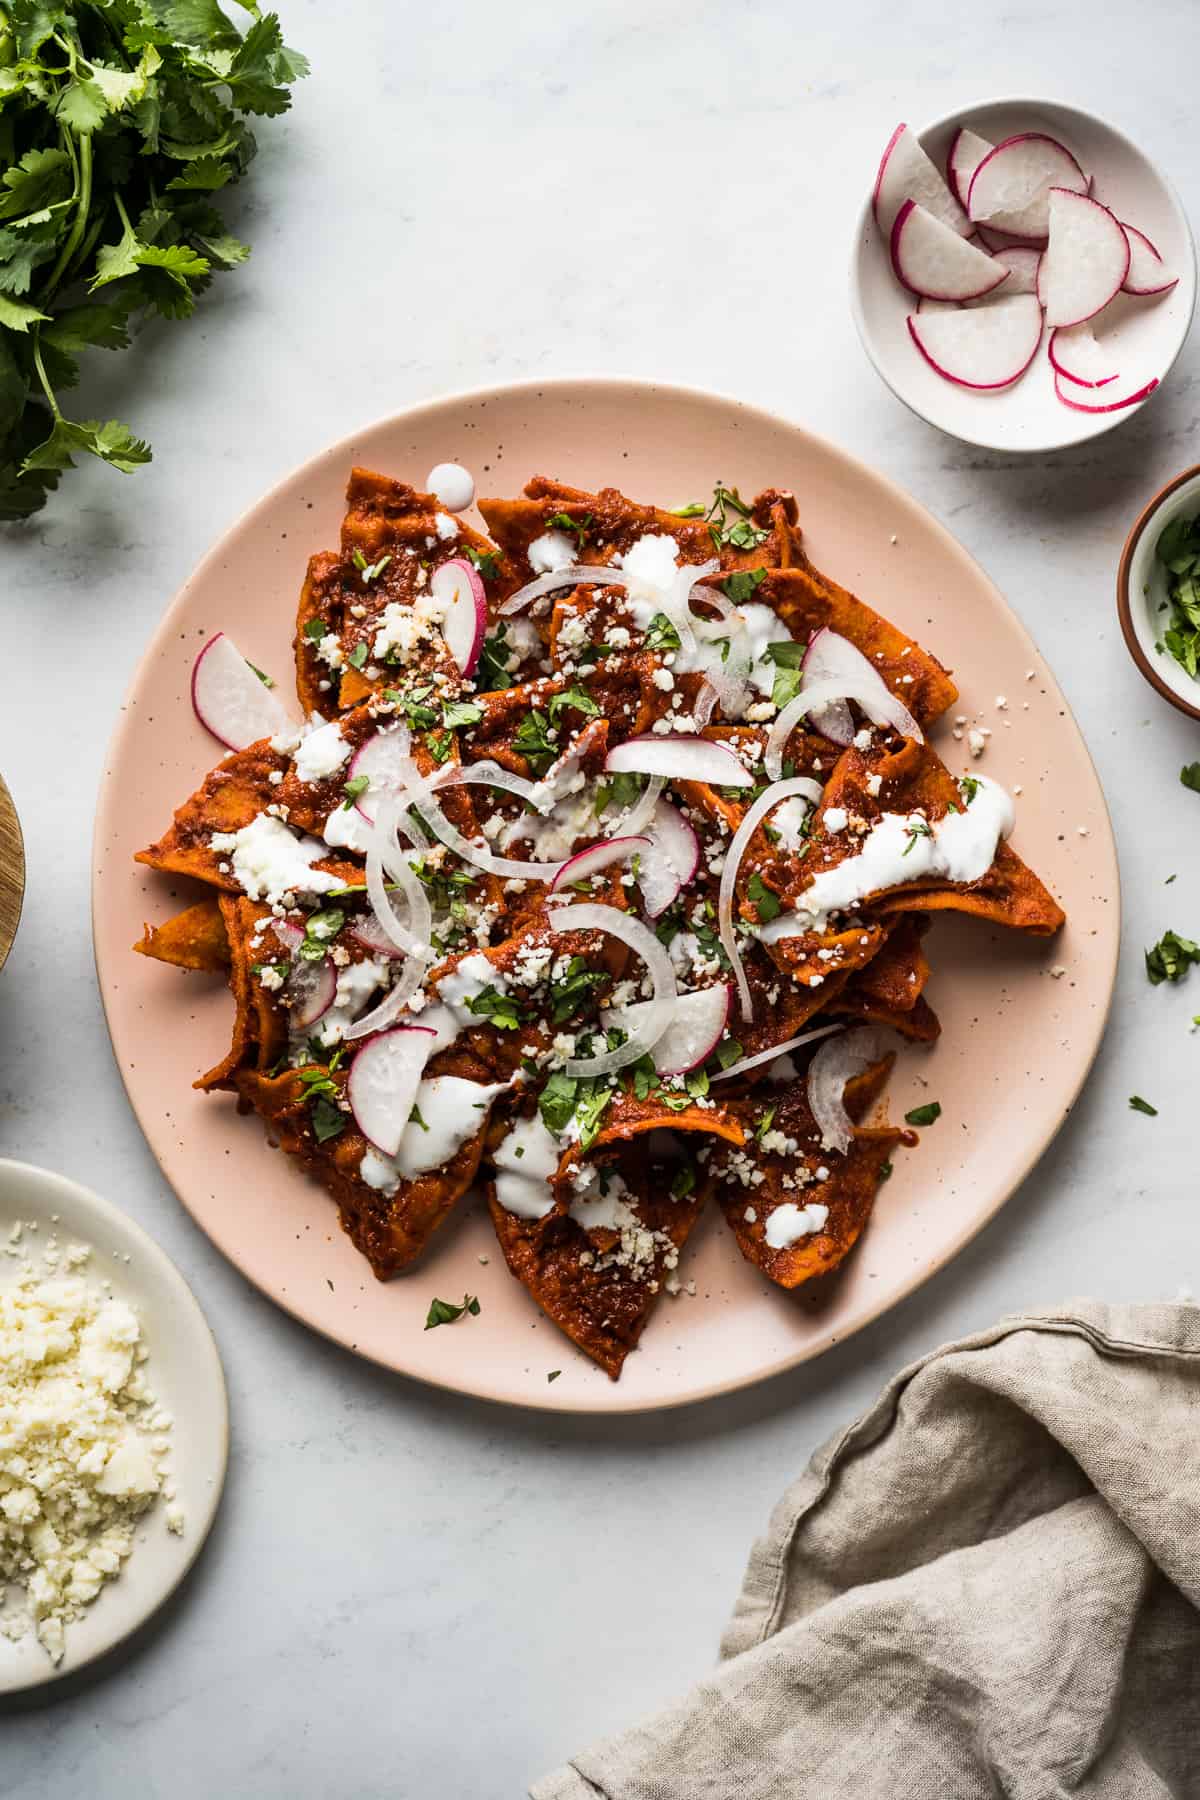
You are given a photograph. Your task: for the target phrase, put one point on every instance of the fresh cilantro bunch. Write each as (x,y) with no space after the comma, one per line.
(1178,549)
(119,120)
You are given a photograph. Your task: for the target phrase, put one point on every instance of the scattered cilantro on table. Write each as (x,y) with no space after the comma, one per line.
(1171,958)
(1143,1106)
(119,121)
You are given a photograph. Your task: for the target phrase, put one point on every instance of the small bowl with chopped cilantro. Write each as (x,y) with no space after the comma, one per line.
(1158,592)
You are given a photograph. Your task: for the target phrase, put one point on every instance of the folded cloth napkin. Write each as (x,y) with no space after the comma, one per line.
(988,1585)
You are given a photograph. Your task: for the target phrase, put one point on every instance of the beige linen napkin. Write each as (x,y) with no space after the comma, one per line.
(986,1586)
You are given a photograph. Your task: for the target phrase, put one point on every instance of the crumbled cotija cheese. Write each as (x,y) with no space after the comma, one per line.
(83,1449)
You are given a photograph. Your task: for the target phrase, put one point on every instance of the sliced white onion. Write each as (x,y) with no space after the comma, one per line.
(679,758)
(642,811)
(570,575)
(779,790)
(642,941)
(383,1083)
(386,760)
(830,1069)
(697,1024)
(383,856)
(728,678)
(480,855)
(775,1052)
(821,661)
(596,857)
(705,704)
(880,705)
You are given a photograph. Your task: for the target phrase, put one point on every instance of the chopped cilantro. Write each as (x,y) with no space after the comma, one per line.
(279,968)
(684,1182)
(916,828)
(574,697)
(328,1120)
(742,533)
(788,658)
(319,932)
(661,634)
(491,675)
(1171,958)
(554,1375)
(695,509)
(622,790)
(486,561)
(357,656)
(1143,1106)
(885,1171)
(440,745)
(970,786)
(741,585)
(562,521)
(315,630)
(1190,776)
(460,712)
(414,1118)
(369,571)
(764,1124)
(414,703)
(728,1052)
(765,901)
(356,785)
(503,1010)
(924,1115)
(1178,549)
(444,1312)
(268,681)
(533,740)
(575,987)
(556,1103)
(696,1083)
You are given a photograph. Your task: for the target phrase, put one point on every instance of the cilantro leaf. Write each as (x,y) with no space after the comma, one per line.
(577,699)
(500,1009)
(534,740)
(1171,958)
(661,634)
(924,1115)
(765,901)
(742,584)
(444,1312)
(486,561)
(1189,775)
(1143,1106)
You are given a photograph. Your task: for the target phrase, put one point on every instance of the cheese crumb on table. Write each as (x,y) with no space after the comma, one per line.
(83,1441)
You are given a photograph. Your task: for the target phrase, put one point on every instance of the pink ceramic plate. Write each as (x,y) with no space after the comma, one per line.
(1021,1021)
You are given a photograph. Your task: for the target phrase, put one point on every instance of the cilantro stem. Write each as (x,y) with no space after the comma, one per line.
(41,371)
(83,192)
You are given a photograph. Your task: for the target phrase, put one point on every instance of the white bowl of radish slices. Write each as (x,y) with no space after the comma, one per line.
(1023,277)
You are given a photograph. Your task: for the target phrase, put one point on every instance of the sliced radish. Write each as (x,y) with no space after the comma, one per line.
(671,862)
(906,173)
(775,1052)
(928,305)
(458,587)
(311,989)
(967,151)
(679,758)
(386,760)
(995,241)
(697,1024)
(1021,261)
(1074,352)
(983,347)
(1147,270)
(831,1068)
(229,698)
(1010,190)
(1063,389)
(831,657)
(586,863)
(1086,259)
(367,930)
(384,1078)
(929,258)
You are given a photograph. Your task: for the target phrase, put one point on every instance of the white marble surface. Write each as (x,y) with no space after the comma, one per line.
(407,1594)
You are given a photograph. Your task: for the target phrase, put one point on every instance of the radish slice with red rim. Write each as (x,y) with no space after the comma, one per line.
(1115,404)
(641,940)
(383,1082)
(927,305)
(679,758)
(1010,189)
(906,173)
(1086,259)
(831,1068)
(967,151)
(589,862)
(1075,354)
(1147,271)
(311,990)
(1021,261)
(697,1025)
(985,347)
(367,931)
(230,700)
(386,760)
(776,1051)
(877,701)
(458,588)
(931,259)
(671,861)
(780,790)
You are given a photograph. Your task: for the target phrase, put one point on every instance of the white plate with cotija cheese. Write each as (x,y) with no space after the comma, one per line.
(114,1427)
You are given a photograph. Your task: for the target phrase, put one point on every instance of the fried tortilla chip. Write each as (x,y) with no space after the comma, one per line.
(598,1262)
(827,1213)
(194,939)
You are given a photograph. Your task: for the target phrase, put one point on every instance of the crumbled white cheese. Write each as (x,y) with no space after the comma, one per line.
(270,861)
(83,1446)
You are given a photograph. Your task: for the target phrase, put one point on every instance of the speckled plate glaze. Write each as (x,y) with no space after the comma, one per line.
(1018,1040)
